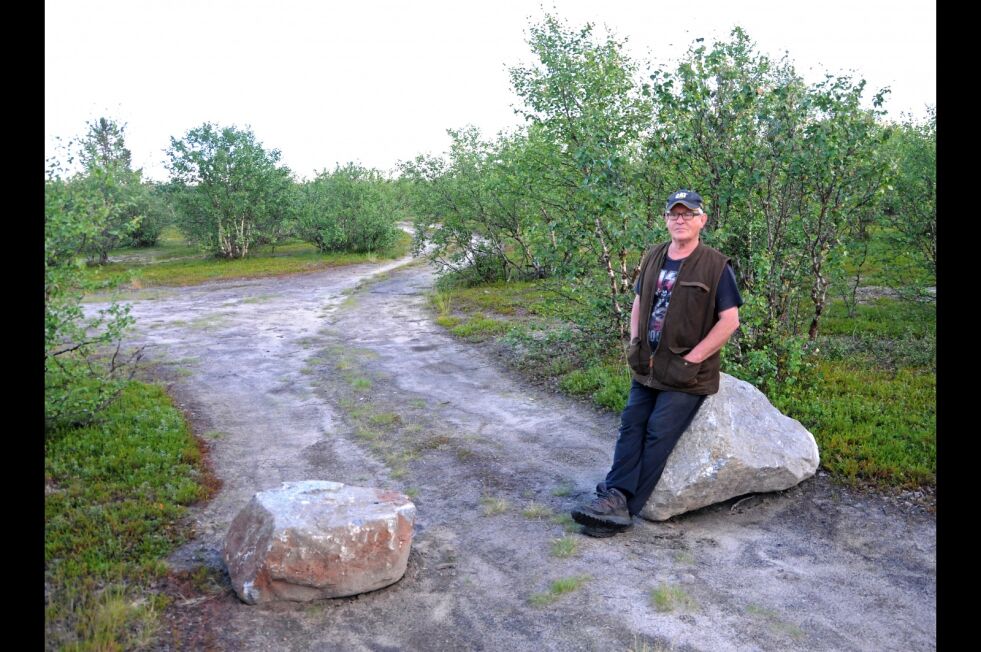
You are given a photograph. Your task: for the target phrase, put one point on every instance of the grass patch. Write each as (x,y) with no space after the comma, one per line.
(206,580)
(290,258)
(887,354)
(607,383)
(884,318)
(114,617)
(115,496)
(170,245)
(774,621)
(871,425)
(360,411)
(432,443)
(564,547)
(566,521)
(557,589)
(361,383)
(564,489)
(385,433)
(209,322)
(441,301)
(668,597)
(347,404)
(448,321)
(493,506)
(344,365)
(886,265)
(366,434)
(181,361)
(513,299)
(384,418)
(480,328)
(261,298)
(536,511)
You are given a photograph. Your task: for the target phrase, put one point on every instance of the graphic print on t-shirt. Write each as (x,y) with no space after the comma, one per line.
(662,295)
(727,296)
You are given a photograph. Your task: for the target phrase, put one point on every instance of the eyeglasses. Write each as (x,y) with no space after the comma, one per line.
(685,216)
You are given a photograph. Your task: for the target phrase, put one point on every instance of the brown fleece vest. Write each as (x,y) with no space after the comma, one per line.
(690,316)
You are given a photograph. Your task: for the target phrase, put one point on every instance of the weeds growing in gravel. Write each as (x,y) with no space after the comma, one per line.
(557,589)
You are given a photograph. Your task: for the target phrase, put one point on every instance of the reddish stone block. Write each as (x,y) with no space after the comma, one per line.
(318,539)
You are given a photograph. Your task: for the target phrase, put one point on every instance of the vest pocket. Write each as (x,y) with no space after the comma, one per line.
(680,372)
(692,298)
(695,284)
(634,357)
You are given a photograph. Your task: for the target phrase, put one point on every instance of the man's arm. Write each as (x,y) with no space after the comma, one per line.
(716,338)
(635,317)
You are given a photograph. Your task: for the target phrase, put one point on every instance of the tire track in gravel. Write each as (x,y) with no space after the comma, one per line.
(303,382)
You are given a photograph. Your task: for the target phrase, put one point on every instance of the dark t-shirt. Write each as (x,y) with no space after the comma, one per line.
(727,296)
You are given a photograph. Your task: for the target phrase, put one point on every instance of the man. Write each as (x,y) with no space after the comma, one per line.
(685,309)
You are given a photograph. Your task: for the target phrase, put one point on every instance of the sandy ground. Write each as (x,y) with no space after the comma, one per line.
(342,375)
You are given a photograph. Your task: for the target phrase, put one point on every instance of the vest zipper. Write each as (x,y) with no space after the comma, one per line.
(660,341)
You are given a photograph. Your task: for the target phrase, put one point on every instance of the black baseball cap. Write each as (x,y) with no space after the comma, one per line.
(689,198)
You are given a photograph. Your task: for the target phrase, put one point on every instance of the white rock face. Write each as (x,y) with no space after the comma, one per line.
(737,444)
(318,539)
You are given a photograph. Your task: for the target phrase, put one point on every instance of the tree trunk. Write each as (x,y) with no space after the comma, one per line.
(614,290)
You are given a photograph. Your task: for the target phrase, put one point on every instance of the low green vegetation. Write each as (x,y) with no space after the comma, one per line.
(872,424)
(361,383)
(668,597)
(606,382)
(397,439)
(564,489)
(480,328)
(557,589)
(384,418)
(774,622)
(565,520)
(536,511)
(565,547)
(115,495)
(190,269)
(885,317)
(170,245)
(493,506)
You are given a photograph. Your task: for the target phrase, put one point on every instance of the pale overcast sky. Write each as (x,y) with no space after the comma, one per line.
(378,81)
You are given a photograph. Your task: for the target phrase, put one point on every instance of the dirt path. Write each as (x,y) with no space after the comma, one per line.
(291,379)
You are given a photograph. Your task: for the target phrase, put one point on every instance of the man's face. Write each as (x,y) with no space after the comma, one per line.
(682,228)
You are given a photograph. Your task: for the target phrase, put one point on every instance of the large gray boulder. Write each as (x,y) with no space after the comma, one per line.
(737,444)
(318,539)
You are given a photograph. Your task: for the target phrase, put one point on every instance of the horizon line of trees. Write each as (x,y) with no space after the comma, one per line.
(796,178)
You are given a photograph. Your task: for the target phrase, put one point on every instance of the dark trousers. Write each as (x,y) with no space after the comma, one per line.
(650,426)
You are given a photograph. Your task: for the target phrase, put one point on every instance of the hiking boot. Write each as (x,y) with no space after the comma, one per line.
(606,510)
(601,532)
